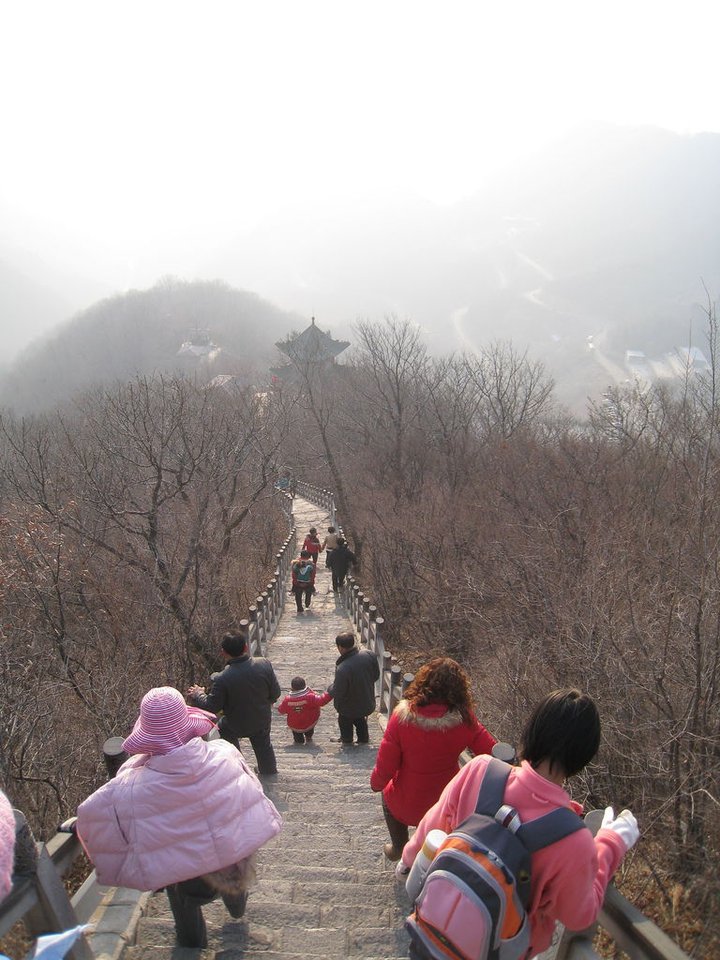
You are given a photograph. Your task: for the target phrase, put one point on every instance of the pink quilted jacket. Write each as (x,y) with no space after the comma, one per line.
(169,818)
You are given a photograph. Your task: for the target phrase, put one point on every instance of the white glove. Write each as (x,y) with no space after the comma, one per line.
(401,871)
(624,825)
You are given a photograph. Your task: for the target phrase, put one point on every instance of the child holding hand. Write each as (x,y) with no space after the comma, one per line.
(302,708)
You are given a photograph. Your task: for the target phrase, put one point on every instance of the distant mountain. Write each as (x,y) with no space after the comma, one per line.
(141,332)
(610,233)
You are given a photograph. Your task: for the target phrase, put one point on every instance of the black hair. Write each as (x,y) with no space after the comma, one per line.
(298,683)
(305,553)
(331,529)
(345,640)
(234,644)
(564,729)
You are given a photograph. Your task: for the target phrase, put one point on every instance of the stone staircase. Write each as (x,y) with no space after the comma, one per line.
(324,887)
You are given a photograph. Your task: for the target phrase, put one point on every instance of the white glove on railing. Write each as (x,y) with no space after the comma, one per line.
(624,825)
(401,871)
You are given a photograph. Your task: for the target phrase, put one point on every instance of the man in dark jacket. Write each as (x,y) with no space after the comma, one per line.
(353,689)
(244,692)
(339,562)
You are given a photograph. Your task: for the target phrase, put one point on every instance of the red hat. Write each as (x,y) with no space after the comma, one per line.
(166,722)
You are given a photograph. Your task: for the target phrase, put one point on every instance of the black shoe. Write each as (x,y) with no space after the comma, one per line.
(235,904)
(347,743)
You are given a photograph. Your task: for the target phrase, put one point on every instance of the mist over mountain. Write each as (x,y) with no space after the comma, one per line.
(603,242)
(142,332)
(610,234)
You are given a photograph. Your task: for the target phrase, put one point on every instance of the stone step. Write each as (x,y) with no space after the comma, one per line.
(223,953)
(282,915)
(324,887)
(353,939)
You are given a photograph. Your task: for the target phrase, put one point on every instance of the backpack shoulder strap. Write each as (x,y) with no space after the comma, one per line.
(492,789)
(555,825)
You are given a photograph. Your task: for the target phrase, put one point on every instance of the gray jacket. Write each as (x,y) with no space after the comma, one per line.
(245,692)
(353,689)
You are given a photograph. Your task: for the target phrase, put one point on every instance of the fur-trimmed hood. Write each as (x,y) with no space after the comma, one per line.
(434,716)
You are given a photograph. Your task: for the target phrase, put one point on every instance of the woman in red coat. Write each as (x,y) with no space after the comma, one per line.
(425,735)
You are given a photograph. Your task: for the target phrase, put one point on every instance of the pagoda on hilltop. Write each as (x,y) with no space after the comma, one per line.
(311,348)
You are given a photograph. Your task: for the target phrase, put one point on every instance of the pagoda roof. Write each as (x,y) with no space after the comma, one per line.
(312,345)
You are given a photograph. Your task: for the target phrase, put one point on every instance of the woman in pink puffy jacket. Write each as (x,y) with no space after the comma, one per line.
(181,813)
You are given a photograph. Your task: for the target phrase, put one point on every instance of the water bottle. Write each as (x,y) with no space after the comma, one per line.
(420,867)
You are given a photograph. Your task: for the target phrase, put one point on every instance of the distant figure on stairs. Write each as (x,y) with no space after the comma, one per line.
(303,580)
(153,827)
(312,544)
(329,544)
(339,562)
(244,692)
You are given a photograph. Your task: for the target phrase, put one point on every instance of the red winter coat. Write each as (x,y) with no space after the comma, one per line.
(419,754)
(312,545)
(303,708)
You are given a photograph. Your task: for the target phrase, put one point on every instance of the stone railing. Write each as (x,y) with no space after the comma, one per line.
(264,614)
(369,628)
(319,495)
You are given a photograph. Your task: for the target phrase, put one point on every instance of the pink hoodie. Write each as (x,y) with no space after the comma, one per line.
(569,878)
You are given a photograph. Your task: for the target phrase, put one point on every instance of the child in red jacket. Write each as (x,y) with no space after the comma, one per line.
(302,708)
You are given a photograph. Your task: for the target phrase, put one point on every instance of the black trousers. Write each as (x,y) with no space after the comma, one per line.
(299,591)
(399,832)
(187,899)
(259,741)
(346,725)
(338,578)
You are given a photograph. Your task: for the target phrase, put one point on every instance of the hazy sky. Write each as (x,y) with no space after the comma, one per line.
(141,131)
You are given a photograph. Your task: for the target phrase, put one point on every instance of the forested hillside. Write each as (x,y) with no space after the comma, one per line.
(540,552)
(140,333)
(543,553)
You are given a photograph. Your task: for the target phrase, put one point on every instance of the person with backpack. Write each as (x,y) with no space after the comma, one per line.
(426,733)
(303,579)
(555,870)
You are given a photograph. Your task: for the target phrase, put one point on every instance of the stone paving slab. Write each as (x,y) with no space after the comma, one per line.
(324,887)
